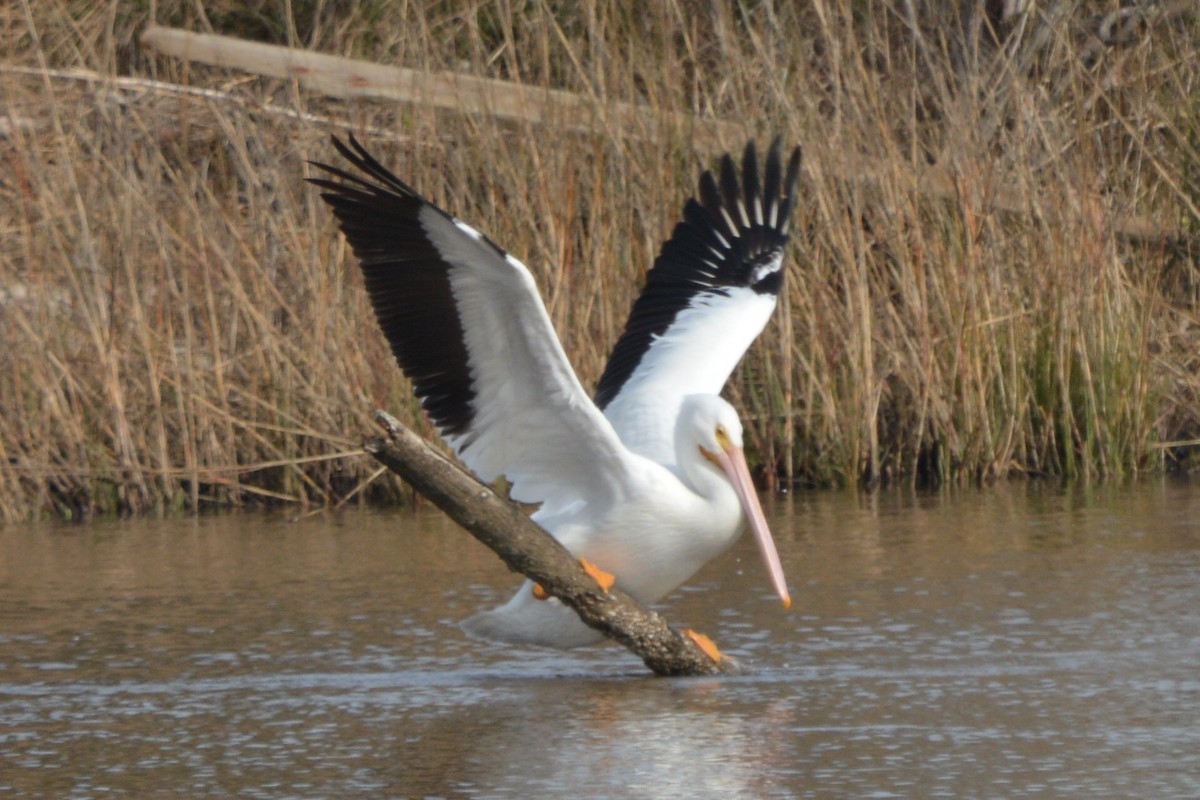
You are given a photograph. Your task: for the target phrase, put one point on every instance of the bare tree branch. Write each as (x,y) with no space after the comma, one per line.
(528,549)
(344,77)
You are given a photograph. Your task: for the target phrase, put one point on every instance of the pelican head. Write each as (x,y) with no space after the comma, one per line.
(710,424)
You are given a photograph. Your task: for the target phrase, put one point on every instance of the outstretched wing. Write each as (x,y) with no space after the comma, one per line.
(467,326)
(708,296)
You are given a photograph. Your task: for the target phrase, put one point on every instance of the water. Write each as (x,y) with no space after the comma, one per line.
(1014,642)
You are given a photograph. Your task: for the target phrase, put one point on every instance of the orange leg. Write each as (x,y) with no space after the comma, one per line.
(605,579)
(706,644)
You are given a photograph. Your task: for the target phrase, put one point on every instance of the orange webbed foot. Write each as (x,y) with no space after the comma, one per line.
(605,579)
(706,644)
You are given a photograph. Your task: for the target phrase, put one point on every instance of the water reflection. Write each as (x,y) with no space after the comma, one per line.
(1013,642)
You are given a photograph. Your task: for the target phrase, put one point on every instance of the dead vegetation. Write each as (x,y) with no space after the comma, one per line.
(994,270)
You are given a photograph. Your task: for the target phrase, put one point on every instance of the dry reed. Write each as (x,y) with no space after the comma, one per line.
(183,328)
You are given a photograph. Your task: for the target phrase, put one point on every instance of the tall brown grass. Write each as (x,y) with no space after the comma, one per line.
(182,326)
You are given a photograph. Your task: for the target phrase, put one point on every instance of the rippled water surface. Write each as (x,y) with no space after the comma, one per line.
(1013,642)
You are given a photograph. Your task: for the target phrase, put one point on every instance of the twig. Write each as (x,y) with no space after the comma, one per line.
(129,84)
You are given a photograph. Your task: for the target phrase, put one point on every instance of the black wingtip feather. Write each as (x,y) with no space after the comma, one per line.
(710,193)
(793,187)
(730,189)
(774,166)
(750,180)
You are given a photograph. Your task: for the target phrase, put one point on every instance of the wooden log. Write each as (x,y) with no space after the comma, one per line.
(335,76)
(528,549)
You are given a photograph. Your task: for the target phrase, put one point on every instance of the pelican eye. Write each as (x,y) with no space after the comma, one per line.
(723,439)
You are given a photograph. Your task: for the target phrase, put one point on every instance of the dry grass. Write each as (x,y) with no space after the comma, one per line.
(182,326)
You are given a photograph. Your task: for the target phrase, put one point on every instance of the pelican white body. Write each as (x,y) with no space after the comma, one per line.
(649,481)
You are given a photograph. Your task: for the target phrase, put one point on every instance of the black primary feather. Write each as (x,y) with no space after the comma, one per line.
(407,281)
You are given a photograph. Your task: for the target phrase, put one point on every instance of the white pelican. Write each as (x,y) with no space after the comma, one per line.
(647,483)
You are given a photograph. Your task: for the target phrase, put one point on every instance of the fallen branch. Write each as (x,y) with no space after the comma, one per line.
(529,550)
(335,76)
